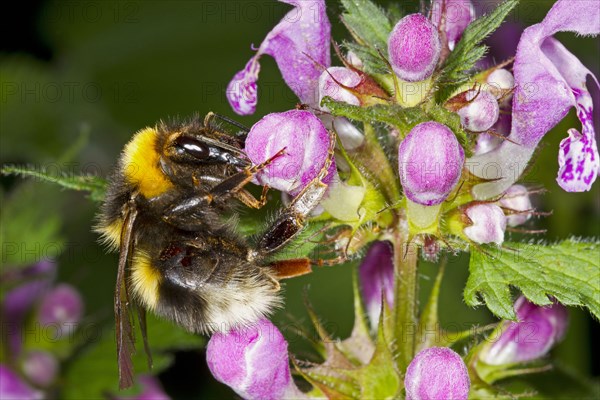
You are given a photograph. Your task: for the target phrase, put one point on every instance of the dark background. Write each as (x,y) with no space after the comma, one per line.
(106,69)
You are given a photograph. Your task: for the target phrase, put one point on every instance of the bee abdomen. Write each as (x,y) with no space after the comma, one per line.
(209,285)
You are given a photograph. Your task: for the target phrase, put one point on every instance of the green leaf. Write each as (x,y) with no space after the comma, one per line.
(94,373)
(391,114)
(469,49)
(95,185)
(400,117)
(370,27)
(368,23)
(568,271)
(30,228)
(373,62)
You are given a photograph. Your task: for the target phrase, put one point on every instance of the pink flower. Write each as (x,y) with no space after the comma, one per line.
(306,143)
(377,279)
(12,387)
(437,373)
(253,361)
(488,224)
(414,48)
(538,330)
(430,161)
(456,14)
(549,81)
(300,46)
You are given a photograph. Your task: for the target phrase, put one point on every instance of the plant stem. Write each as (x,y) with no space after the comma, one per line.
(406,303)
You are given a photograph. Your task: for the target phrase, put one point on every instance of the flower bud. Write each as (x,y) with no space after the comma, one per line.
(488,224)
(487,142)
(12,387)
(40,367)
(430,163)
(516,198)
(305,142)
(349,134)
(253,361)
(329,85)
(414,48)
(437,373)
(354,60)
(501,79)
(538,330)
(482,111)
(377,279)
(456,15)
(61,306)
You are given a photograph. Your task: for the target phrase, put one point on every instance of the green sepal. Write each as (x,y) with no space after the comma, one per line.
(567,271)
(379,378)
(359,347)
(469,50)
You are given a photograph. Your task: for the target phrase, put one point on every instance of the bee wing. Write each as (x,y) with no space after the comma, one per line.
(124,327)
(141,312)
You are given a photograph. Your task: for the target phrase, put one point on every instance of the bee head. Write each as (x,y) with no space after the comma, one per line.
(200,153)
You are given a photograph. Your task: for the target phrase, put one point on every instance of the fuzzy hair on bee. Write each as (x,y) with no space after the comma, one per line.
(178,256)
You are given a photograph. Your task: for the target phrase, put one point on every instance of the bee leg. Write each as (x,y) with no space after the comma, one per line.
(235,183)
(292,268)
(250,201)
(191,213)
(293,218)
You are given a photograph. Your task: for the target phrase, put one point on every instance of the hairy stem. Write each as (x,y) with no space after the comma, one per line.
(406,303)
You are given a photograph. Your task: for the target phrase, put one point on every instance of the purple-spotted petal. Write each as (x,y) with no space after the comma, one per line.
(437,373)
(242,91)
(253,361)
(549,81)
(12,387)
(538,330)
(306,143)
(376,274)
(299,43)
(578,162)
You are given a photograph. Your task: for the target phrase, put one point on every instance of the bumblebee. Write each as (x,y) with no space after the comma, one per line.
(178,257)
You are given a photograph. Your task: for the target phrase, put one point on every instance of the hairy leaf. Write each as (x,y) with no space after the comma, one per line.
(469,49)
(392,114)
(568,271)
(370,27)
(95,185)
(367,22)
(30,228)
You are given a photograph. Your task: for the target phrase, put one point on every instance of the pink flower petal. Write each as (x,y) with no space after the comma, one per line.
(549,81)
(299,43)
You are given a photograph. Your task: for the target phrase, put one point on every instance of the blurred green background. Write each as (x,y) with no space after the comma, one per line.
(101,70)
